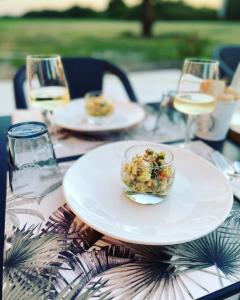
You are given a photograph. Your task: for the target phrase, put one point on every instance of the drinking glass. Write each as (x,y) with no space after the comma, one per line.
(236,79)
(47,85)
(99,108)
(32,162)
(196,93)
(147,172)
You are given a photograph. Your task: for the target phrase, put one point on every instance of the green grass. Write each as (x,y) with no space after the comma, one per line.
(117,41)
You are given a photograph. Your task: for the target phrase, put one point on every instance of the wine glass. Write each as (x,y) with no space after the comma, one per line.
(196,93)
(47,85)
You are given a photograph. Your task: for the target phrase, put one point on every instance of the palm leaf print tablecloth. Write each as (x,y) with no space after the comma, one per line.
(51,254)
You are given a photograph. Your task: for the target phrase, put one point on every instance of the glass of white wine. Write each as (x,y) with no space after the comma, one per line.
(196,93)
(47,85)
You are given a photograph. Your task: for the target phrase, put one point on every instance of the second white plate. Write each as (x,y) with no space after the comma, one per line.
(72,116)
(199,201)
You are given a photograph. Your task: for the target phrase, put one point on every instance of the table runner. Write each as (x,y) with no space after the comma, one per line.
(51,253)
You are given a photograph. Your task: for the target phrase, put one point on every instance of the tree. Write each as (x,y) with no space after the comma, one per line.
(232,10)
(116,9)
(148,17)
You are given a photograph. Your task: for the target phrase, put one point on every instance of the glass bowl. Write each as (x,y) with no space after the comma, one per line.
(98,107)
(148,169)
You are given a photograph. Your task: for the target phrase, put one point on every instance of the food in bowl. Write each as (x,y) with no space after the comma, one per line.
(97,105)
(148,170)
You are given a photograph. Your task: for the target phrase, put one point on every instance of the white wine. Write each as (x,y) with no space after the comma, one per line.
(49,97)
(194,103)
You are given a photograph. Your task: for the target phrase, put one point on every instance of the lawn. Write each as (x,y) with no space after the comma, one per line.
(117,41)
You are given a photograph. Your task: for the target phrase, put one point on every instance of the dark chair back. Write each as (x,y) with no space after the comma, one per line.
(83,75)
(229,58)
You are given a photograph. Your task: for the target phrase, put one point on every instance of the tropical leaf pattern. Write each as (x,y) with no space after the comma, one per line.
(63,258)
(21,289)
(77,233)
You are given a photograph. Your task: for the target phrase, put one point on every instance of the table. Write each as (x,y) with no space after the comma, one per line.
(76,254)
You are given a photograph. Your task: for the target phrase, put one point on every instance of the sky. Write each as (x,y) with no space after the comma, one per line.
(18,7)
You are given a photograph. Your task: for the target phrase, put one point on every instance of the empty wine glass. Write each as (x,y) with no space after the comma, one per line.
(196,93)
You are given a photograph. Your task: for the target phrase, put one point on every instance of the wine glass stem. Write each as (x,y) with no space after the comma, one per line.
(190,119)
(48,119)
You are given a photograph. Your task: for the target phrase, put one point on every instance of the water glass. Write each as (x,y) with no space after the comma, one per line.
(32,162)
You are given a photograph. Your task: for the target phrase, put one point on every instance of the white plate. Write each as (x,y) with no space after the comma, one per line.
(72,116)
(199,201)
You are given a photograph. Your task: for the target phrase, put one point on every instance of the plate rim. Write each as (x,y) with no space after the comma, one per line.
(151,243)
(102,130)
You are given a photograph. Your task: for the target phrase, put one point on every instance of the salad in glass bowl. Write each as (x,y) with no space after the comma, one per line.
(98,108)
(148,169)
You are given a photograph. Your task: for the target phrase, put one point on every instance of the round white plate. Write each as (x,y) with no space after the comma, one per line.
(72,116)
(199,201)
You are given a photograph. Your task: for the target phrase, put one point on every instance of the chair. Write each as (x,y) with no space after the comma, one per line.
(83,75)
(229,58)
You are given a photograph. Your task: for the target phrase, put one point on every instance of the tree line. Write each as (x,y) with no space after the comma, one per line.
(148,11)
(117,9)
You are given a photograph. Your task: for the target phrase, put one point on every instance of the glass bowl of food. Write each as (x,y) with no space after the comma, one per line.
(98,107)
(148,169)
